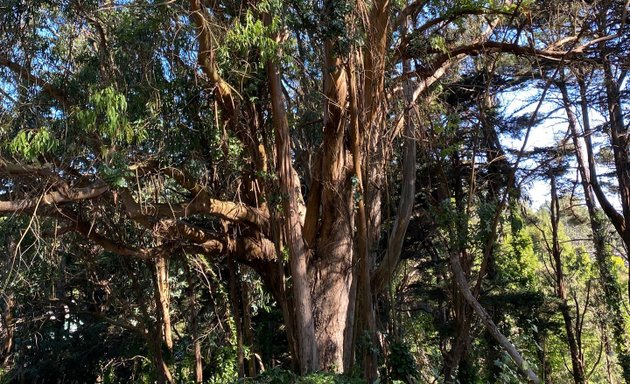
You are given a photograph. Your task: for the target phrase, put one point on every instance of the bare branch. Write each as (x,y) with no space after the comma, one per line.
(63,195)
(20,70)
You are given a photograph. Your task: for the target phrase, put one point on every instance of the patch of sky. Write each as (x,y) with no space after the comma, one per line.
(551,128)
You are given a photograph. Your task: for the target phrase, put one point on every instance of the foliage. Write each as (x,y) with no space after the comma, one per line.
(31,144)
(402,364)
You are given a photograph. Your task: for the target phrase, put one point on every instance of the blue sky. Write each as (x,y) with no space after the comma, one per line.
(552,130)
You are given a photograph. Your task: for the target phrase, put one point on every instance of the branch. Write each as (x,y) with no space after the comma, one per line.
(63,195)
(112,246)
(410,10)
(205,56)
(250,249)
(491,327)
(383,273)
(203,203)
(169,227)
(447,18)
(24,73)
(385,270)
(11,170)
(495,47)
(427,79)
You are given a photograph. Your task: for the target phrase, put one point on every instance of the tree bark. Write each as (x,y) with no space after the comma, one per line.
(6,314)
(194,326)
(162,332)
(292,226)
(618,134)
(163,373)
(248,334)
(365,323)
(163,300)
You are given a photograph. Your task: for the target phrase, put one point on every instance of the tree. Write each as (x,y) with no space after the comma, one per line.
(263,135)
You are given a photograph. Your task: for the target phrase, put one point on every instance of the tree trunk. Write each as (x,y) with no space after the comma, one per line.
(618,132)
(619,139)
(603,256)
(365,323)
(162,332)
(543,359)
(292,227)
(6,314)
(576,361)
(248,334)
(331,269)
(162,297)
(163,373)
(194,326)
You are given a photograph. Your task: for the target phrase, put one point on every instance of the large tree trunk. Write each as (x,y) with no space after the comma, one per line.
(292,228)
(331,269)
(332,281)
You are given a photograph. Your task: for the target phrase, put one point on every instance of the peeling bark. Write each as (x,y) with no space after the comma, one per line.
(305,324)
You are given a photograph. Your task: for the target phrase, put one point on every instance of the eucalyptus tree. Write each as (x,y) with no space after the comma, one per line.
(258,133)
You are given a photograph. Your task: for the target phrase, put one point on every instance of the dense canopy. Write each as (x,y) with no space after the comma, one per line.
(333,191)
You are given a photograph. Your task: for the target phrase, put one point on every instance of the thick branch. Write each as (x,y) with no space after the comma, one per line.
(114,247)
(405,208)
(63,195)
(486,47)
(206,57)
(16,170)
(203,203)
(167,227)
